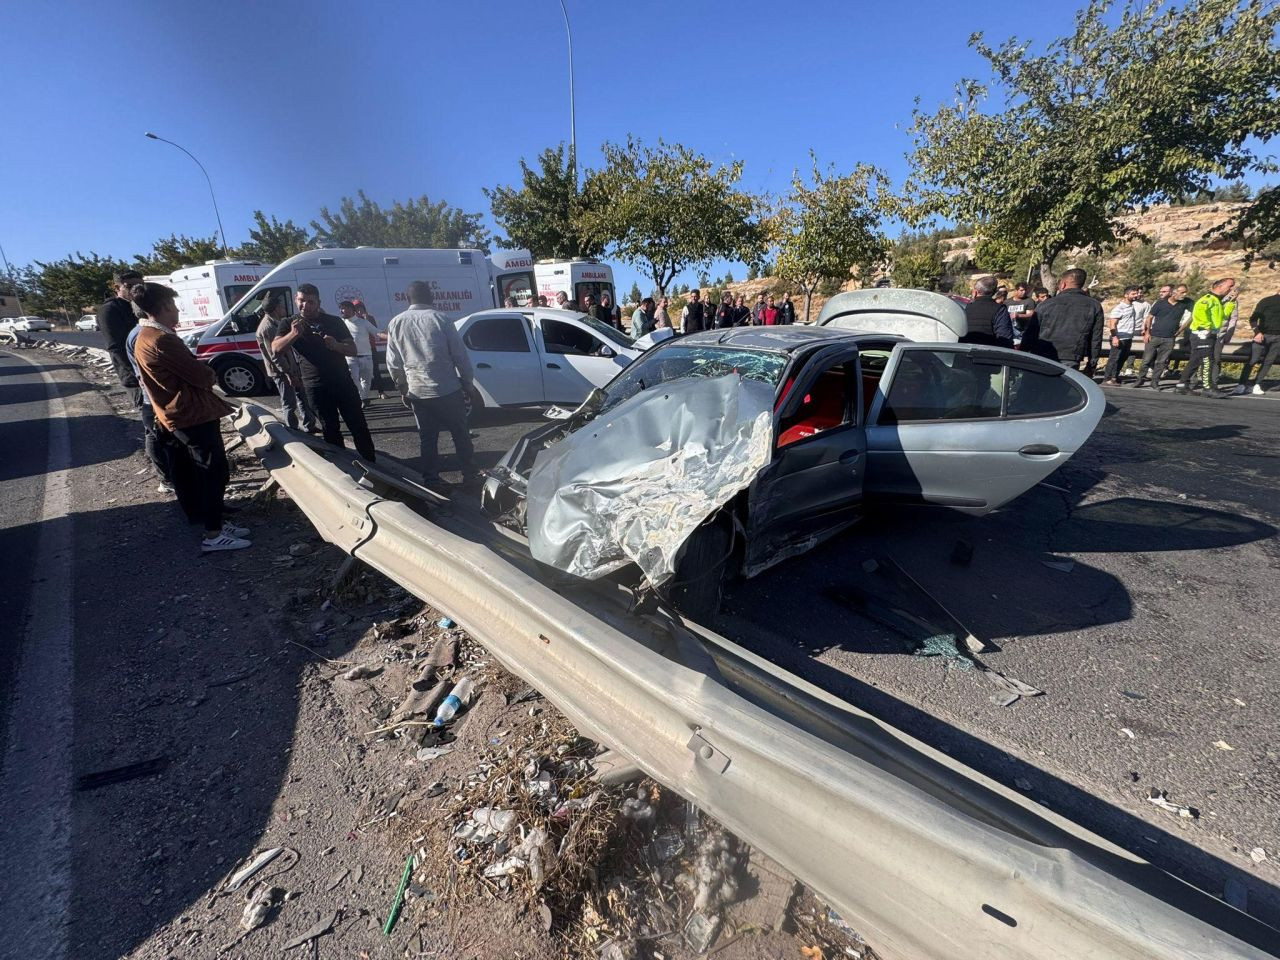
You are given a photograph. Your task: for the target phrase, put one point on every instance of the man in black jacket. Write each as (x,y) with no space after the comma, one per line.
(786,309)
(989,321)
(115,320)
(1068,327)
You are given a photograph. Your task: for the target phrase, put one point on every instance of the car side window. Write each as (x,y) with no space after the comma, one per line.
(1033,394)
(943,385)
(826,404)
(561,337)
(498,335)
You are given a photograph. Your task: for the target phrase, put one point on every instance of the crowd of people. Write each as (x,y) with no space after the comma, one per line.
(323,368)
(1071,326)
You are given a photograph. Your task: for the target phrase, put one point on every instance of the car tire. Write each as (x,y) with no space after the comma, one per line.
(702,570)
(240,377)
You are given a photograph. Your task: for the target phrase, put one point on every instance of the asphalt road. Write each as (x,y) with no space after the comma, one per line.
(1156,650)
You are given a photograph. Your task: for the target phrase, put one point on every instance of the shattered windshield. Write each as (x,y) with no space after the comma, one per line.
(674,362)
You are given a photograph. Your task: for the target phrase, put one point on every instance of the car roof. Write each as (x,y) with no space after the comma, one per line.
(549,312)
(780,339)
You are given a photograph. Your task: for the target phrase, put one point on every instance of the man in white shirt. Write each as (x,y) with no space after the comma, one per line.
(432,371)
(363,333)
(1124,324)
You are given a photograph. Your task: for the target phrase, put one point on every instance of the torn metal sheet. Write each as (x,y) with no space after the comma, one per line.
(632,485)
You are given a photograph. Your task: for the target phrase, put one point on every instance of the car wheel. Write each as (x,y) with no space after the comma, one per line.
(702,570)
(240,377)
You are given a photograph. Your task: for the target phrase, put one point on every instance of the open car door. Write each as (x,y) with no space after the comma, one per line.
(971,426)
(812,486)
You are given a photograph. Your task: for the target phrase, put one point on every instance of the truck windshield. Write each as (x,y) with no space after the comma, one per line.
(674,362)
(244,318)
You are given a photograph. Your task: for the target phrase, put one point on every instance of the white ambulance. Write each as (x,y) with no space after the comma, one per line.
(208,291)
(464,281)
(575,279)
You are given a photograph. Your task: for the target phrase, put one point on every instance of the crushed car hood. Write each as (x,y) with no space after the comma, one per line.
(635,482)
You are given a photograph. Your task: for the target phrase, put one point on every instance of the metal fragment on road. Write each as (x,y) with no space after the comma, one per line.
(319,929)
(1161,800)
(255,865)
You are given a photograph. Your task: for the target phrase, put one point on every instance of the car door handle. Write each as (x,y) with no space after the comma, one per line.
(850,456)
(483,366)
(553,366)
(1038,450)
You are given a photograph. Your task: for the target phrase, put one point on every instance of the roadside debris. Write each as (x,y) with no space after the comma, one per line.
(300,549)
(1258,855)
(261,901)
(255,865)
(362,671)
(1223,745)
(1065,566)
(1161,800)
(394,913)
(323,926)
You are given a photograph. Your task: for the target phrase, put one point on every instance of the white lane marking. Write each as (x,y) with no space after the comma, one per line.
(35,784)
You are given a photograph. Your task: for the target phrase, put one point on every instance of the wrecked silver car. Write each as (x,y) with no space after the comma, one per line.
(721,453)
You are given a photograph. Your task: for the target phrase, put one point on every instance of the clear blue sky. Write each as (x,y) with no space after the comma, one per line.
(292,105)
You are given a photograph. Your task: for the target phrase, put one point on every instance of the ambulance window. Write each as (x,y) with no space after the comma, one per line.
(519,287)
(232,292)
(498,335)
(245,317)
(594,289)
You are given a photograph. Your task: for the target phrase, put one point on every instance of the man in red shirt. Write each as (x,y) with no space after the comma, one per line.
(769,314)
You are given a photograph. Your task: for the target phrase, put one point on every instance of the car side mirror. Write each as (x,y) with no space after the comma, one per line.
(607,352)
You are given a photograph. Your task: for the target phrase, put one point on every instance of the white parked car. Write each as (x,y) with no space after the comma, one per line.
(25,324)
(87,322)
(523,357)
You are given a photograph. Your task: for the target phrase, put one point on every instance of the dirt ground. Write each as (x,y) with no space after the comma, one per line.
(273,704)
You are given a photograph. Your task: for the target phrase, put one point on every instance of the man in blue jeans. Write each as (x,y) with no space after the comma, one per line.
(432,371)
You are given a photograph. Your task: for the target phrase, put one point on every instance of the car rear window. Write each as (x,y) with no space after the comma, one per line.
(674,362)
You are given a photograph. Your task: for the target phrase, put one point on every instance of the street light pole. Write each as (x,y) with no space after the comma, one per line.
(221,232)
(573,125)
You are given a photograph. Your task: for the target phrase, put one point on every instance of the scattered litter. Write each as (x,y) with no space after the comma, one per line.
(445,623)
(962,553)
(544,913)
(1046,483)
(255,866)
(132,771)
(323,926)
(299,549)
(259,907)
(505,868)
(1132,695)
(431,753)
(455,701)
(1128,733)
(1257,855)
(528,693)
(667,843)
(1223,745)
(337,880)
(398,900)
(1237,701)
(1159,798)
(700,932)
(1066,566)
(362,671)
(1010,689)
(436,789)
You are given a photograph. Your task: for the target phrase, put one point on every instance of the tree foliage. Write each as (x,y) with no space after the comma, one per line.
(360,221)
(666,209)
(1148,265)
(175,251)
(1160,103)
(544,214)
(919,261)
(272,241)
(73,283)
(825,229)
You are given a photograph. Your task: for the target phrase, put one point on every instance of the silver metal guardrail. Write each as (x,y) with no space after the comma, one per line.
(925,857)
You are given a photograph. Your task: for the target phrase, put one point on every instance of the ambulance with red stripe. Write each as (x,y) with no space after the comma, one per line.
(206,292)
(464,282)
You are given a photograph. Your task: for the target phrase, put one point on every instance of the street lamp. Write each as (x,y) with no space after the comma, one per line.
(221,232)
(573,127)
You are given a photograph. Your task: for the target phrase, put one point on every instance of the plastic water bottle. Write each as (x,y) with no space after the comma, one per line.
(459,695)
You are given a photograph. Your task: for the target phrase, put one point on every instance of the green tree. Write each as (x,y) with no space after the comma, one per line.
(917,261)
(272,241)
(728,276)
(704,278)
(752,271)
(543,215)
(1155,104)
(635,296)
(176,251)
(75,283)
(823,231)
(414,223)
(666,209)
(1197,282)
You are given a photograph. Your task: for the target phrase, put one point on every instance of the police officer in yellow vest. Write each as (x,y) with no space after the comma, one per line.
(1208,315)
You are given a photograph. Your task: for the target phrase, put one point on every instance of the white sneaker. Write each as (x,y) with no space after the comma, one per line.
(1240,391)
(1257,390)
(231,530)
(223,542)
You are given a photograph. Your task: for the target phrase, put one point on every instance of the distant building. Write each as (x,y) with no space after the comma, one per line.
(9,306)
